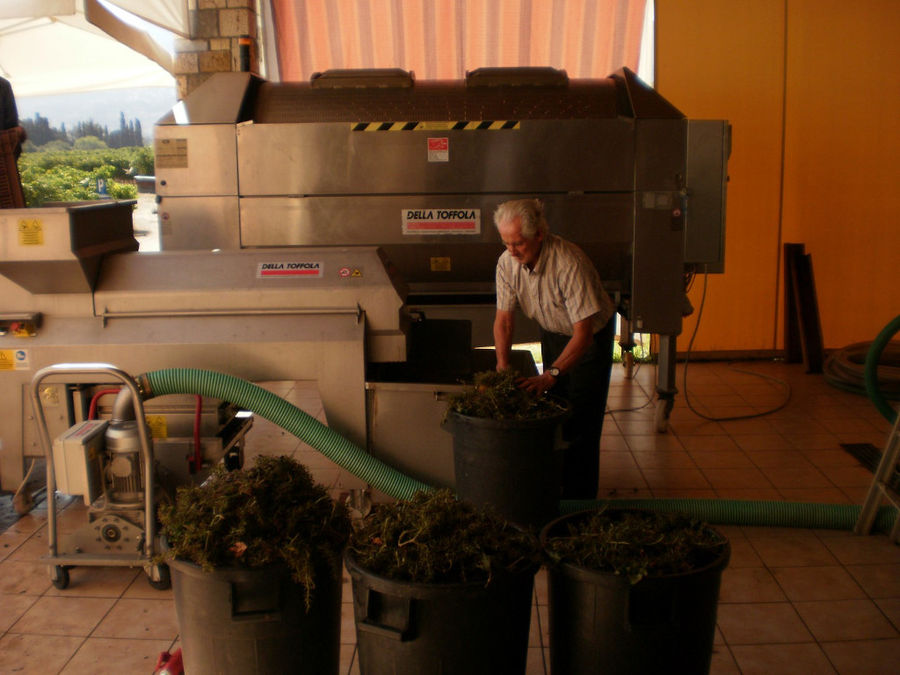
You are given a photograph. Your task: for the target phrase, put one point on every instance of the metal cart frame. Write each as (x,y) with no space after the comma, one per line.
(60,562)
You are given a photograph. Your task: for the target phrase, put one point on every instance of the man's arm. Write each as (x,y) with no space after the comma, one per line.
(582,337)
(504,322)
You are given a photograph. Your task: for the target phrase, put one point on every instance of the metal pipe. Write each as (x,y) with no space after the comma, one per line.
(159,314)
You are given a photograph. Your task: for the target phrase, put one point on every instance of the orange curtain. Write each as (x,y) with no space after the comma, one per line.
(442,39)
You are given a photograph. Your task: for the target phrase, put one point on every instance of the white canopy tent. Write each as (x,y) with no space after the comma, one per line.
(72,46)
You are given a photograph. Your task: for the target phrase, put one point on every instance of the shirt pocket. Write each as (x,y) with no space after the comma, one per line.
(557,301)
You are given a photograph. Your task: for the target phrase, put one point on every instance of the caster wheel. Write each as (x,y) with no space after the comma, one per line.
(159,577)
(60,577)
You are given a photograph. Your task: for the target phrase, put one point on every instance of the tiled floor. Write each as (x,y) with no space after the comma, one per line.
(793,600)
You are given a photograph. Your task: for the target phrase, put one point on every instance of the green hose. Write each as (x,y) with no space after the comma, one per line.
(871,369)
(391,482)
(764,514)
(289,417)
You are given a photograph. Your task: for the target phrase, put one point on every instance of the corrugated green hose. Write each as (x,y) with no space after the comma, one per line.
(390,481)
(289,417)
(763,514)
(871,369)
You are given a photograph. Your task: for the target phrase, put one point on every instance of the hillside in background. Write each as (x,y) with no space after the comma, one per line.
(103,107)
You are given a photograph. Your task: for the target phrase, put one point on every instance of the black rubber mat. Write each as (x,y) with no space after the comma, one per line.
(869,456)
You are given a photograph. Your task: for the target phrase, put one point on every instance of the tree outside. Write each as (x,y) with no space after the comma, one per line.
(85,163)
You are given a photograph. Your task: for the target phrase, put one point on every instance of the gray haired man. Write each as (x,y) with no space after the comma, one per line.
(555,283)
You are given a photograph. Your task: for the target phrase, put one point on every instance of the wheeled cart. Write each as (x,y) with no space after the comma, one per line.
(110,464)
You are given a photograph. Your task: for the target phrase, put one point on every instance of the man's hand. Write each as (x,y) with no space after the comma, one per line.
(537,384)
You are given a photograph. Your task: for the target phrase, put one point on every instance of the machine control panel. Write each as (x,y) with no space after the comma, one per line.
(20,325)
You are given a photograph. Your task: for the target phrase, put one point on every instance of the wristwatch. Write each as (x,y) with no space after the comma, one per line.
(554,371)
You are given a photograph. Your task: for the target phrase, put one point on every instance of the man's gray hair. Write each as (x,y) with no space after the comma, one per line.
(531,213)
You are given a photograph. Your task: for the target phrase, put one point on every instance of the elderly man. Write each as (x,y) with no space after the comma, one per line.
(555,283)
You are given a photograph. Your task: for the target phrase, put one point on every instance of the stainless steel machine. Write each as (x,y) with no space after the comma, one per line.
(417,168)
(341,231)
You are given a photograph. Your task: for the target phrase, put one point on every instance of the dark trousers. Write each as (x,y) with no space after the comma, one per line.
(585,387)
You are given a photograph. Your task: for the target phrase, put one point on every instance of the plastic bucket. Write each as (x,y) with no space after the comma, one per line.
(600,622)
(255,621)
(513,466)
(405,628)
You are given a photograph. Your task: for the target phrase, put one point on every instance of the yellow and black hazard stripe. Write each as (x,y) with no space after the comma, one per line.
(482,125)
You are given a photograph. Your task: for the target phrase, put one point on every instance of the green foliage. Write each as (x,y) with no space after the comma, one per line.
(142,160)
(52,146)
(71,175)
(434,538)
(641,350)
(270,514)
(40,132)
(496,395)
(635,544)
(89,143)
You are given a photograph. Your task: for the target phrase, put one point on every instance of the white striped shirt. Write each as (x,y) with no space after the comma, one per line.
(562,289)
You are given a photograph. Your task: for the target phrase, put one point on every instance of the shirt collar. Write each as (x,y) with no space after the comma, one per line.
(541,261)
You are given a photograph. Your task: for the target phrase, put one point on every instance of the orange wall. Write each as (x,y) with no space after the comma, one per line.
(812,90)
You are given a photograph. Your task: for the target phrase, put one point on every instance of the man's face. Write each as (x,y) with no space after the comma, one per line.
(524,250)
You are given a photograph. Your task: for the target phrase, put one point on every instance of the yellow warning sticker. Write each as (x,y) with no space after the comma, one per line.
(157,425)
(31,232)
(14,359)
(440,264)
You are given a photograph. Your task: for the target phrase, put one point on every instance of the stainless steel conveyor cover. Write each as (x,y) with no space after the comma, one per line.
(417,168)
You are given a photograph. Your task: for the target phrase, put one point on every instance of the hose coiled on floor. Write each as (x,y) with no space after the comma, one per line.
(873,365)
(869,368)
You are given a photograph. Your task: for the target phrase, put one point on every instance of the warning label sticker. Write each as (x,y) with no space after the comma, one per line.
(441,221)
(158,426)
(31,232)
(171,153)
(440,264)
(439,149)
(14,359)
(289,268)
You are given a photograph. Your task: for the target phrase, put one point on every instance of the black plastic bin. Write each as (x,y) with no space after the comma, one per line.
(256,621)
(513,466)
(405,628)
(601,623)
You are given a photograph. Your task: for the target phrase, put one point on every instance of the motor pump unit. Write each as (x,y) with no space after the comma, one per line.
(112,464)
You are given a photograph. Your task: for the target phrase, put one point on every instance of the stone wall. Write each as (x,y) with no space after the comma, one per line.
(219,28)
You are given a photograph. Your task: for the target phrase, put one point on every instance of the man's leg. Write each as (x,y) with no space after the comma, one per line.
(585,387)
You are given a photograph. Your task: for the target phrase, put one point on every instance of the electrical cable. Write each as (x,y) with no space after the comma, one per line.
(728,418)
(95,400)
(637,369)
(22,501)
(845,369)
